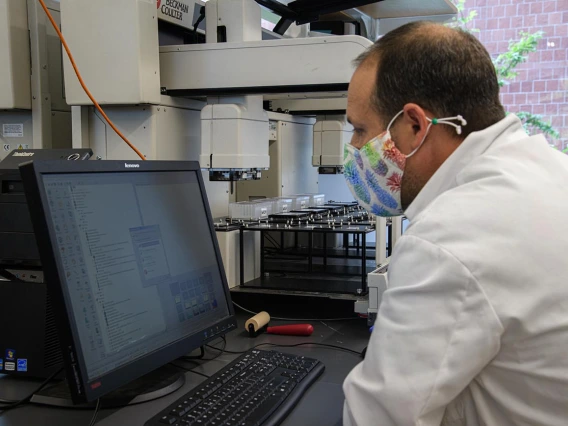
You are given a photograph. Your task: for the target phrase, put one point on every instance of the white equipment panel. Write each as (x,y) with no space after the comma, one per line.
(234,136)
(261,66)
(15,90)
(169,131)
(115,45)
(377,281)
(229,245)
(330,137)
(290,171)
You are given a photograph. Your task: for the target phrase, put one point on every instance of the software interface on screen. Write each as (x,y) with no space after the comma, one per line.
(139,265)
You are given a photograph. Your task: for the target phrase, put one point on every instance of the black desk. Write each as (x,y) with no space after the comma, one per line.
(321,405)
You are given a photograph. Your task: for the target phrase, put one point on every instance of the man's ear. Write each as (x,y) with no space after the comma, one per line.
(416,117)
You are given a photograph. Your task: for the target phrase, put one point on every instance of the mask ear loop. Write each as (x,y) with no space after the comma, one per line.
(434,121)
(447,121)
(393,119)
(423,139)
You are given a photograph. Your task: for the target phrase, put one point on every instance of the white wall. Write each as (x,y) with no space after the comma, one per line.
(334,187)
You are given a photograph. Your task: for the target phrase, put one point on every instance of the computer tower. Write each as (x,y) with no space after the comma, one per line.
(18,245)
(29,346)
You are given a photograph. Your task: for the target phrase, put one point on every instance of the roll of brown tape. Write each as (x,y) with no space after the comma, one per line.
(258,321)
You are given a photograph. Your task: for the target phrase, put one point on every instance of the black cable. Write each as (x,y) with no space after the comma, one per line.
(221,350)
(27,398)
(297,319)
(325,345)
(197,22)
(224,350)
(227,351)
(200,356)
(94,418)
(189,370)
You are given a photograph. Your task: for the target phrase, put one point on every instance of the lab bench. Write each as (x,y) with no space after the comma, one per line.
(322,404)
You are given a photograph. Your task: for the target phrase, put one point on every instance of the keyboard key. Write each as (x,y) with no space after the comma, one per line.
(223,416)
(196,412)
(168,420)
(192,401)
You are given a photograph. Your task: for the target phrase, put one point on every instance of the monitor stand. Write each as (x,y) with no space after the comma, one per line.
(154,385)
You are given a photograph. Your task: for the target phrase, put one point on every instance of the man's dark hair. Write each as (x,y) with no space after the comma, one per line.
(445,71)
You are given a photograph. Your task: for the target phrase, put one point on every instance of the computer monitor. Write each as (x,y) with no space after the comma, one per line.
(132,264)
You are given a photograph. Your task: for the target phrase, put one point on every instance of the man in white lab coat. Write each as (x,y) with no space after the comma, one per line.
(473,329)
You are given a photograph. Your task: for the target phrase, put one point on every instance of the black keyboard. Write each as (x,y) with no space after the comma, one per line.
(258,388)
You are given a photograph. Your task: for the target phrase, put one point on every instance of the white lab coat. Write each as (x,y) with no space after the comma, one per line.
(473,329)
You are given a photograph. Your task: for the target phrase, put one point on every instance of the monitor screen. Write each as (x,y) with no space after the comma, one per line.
(136,260)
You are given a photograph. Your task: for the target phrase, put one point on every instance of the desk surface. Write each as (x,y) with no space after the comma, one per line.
(322,404)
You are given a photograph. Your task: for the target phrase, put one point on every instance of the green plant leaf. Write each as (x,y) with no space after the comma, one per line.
(505,64)
(534,123)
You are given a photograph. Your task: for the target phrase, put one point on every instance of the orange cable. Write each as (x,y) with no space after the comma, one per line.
(93,100)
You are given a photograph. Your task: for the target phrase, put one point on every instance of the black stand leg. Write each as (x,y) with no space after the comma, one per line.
(389,246)
(261,255)
(364,262)
(325,248)
(310,250)
(242,255)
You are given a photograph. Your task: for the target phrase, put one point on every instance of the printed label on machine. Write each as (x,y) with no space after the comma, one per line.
(285,208)
(263,212)
(303,204)
(180,12)
(13,130)
(6,147)
(10,366)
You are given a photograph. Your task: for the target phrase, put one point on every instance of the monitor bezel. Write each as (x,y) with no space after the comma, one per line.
(82,389)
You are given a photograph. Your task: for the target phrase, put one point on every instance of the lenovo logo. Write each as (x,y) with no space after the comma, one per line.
(131,166)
